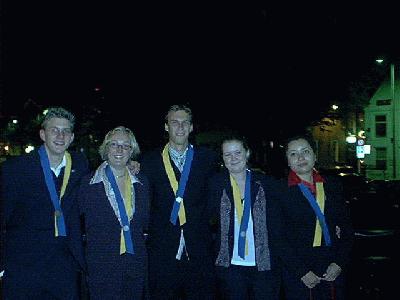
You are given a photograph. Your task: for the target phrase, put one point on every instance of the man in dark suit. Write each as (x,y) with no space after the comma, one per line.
(179,241)
(40,223)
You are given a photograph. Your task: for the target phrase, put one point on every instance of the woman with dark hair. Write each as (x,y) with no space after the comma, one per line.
(317,227)
(241,202)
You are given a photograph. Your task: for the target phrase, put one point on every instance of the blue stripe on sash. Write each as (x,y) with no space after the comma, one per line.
(245,218)
(122,211)
(321,218)
(48,176)
(182,185)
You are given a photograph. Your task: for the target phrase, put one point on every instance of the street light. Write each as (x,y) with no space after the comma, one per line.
(392,87)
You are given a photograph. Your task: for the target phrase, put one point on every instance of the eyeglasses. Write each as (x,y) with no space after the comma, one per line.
(115,145)
(56,131)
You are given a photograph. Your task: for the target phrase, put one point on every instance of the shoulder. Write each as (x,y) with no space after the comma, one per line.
(142,178)
(334,181)
(207,158)
(16,162)
(150,156)
(204,151)
(220,176)
(79,161)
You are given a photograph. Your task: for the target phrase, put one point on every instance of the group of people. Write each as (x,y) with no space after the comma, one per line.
(173,226)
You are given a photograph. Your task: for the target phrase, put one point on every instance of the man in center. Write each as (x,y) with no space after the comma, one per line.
(179,240)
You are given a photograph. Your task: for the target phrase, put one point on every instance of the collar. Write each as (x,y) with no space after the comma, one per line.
(294,179)
(100,175)
(175,154)
(57,169)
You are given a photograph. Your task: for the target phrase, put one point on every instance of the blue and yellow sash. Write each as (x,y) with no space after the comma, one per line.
(318,206)
(179,190)
(59,222)
(242,211)
(126,244)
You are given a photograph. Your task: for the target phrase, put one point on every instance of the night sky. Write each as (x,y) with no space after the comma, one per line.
(225,60)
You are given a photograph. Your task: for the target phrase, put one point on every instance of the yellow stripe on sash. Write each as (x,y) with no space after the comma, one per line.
(128,208)
(67,173)
(321,203)
(238,204)
(173,182)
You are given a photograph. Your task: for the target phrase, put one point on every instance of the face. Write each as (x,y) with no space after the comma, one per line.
(119,150)
(301,157)
(57,136)
(234,156)
(178,127)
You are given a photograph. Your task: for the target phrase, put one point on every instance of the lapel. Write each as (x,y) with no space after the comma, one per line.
(254,188)
(228,188)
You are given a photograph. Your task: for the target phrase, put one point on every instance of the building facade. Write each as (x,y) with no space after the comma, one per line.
(382,130)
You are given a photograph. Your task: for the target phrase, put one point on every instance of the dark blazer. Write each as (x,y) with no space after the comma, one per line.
(265,218)
(111,275)
(163,240)
(33,257)
(300,219)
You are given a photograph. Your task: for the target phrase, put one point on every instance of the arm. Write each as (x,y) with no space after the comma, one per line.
(9,196)
(342,233)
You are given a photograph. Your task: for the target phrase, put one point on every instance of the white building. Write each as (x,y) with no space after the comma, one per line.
(382,130)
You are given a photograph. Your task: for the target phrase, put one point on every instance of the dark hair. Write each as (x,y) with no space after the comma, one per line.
(239,138)
(177,107)
(305,136)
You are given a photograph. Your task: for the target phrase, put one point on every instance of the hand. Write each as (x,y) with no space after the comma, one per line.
(310,279)
(134,167)
(332,272)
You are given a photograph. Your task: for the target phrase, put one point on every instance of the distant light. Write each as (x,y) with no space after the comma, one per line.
(29,149)
(6,148)
(379,60)
(96,89)
(271,144)
(361,134)
(15,121)
(351,139)
(45,112)
(335,107)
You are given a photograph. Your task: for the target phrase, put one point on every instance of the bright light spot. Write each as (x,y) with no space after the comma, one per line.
(351,139)
(361,134)
(45,112)
(29,149)
(6,148)
(15,121)
(367,149)
(335,107)
(379,60)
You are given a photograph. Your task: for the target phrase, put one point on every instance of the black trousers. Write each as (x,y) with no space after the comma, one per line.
(185,279)
(243,282)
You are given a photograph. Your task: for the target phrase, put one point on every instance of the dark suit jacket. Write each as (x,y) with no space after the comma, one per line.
(300,219)
(111,275)
(32,254)
(163,240)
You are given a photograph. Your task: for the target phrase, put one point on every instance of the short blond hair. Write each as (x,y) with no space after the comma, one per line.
(58,112)
(104,147)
